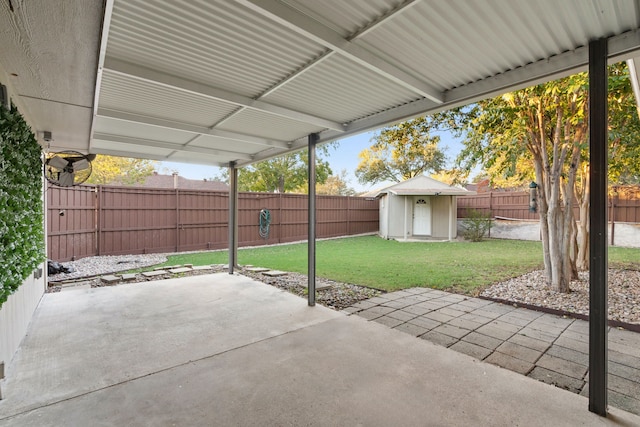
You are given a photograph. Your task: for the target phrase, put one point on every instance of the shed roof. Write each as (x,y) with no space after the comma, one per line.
(423,185)
(245,80)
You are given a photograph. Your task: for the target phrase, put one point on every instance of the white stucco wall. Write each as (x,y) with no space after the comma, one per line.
(625,235)
(16,314)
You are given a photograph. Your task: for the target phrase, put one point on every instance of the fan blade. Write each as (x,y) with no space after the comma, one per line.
(65,179)
(80,165)
(57,162)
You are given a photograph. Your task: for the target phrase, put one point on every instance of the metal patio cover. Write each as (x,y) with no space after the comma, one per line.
(212,82)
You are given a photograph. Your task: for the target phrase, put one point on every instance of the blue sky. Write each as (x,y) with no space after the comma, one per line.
(344,157)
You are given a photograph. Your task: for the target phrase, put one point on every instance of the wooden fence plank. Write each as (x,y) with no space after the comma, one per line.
(110,220)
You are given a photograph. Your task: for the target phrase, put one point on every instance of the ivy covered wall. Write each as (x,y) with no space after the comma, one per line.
(21,206)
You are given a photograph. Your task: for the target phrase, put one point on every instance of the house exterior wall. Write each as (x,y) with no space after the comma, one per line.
(16,313)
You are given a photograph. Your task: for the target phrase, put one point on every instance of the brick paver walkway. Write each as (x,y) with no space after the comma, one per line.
(543,346)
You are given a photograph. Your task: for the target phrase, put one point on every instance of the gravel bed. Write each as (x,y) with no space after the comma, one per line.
(101,265)
(531,288)
(338,297)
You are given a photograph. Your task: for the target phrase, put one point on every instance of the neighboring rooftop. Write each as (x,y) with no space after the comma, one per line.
(176,181)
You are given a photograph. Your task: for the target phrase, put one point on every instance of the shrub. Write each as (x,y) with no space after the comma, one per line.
(476,225)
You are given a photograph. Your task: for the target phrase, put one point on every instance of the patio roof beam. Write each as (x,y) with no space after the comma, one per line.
(120,153)
(185,127)
(308,27)
(156,77)
(171,146)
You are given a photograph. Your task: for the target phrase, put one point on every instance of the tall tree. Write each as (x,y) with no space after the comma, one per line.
(401,152)
(121,170)
(283,174)
(335,185)
(548,125)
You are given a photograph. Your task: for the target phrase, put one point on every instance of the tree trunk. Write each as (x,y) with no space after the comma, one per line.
(559,279)
(582,261)
(556,216)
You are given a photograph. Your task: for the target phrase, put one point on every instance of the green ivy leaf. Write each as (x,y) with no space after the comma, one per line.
(21,207)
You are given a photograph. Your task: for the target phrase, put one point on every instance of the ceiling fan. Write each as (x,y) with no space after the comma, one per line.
(68,168)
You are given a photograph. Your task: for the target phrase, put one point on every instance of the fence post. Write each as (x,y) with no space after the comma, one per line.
(348,215)
(177,220)
(98,219)
(490,211)
(279,217)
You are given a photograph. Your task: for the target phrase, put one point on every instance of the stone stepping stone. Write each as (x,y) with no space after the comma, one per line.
(179,270)
(258,269)
(110,279)
(319,286)
(274,273)
(128,277)
(154,273)
(202,267)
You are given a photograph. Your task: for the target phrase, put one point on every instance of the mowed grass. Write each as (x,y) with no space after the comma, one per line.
(389,265)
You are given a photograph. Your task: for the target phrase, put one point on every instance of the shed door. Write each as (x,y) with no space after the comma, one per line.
(422,216)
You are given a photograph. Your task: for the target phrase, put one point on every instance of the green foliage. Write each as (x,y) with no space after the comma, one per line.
(283,174)
(21,207)
(500,134)
(401,152)
(476,225)
(335,185)
(120,170)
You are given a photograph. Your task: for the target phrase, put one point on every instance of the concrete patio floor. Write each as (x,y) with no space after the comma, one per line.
(227,350)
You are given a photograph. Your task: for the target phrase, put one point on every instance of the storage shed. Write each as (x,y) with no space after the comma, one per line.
(419,208)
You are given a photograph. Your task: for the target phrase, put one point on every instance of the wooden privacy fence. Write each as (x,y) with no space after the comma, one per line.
(105,220)
(624,205)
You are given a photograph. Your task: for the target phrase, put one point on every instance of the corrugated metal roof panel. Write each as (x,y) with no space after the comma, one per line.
(455,43)
(132,95)
(217,42)
(203,159)
(342,90)
(347,17)
(254,122)
(212,142)
(140,151)
(335,67)
(105,125)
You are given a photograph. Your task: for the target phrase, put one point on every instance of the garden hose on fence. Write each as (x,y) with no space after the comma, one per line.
(265,222)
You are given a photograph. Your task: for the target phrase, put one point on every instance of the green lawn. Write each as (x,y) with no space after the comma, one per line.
(390,265)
